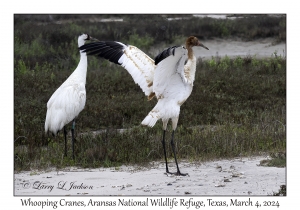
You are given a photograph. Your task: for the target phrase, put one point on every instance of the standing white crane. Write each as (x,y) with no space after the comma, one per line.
(169,77)
(69,99)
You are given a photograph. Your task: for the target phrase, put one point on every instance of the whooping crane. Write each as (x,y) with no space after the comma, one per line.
(169,77)
(69,99)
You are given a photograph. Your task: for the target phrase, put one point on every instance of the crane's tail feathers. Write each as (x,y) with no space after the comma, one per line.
(151,119)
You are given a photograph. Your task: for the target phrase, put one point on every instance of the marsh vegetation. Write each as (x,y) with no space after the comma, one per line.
(237,107)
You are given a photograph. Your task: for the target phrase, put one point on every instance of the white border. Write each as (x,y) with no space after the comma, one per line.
(153,6)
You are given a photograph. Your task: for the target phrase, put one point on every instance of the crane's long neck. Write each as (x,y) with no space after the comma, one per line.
(190,52)
(190,66)
(82,67)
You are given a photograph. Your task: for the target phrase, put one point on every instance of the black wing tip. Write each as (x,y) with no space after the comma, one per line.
(109,50)
(164,54)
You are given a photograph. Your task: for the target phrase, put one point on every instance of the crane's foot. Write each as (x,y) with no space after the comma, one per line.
(178,173)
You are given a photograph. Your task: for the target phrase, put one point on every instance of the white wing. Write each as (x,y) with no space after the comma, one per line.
(64,105)
(173,64)
(139,65)
(169,85)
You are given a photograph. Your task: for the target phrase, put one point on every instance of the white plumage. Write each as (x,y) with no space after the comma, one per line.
(139,65)
(170,89)
(69,99)
(169,77)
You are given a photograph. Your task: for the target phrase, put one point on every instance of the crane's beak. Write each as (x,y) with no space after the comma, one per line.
(94,39)
(202,45)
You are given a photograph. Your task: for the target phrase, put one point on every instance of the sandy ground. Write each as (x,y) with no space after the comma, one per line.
(240,176)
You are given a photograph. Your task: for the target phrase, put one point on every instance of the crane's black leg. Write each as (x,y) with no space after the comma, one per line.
(65,134)
(72,130)
(178,173)
(165,153)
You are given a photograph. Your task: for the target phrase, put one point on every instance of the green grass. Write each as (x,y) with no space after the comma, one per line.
(278,159)
(237,107)
(222,118)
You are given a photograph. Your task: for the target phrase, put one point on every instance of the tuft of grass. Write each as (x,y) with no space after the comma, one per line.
(281,192)
(278,160)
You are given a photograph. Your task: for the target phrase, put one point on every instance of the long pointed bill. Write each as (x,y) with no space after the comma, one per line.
(202,45)
(94,39)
